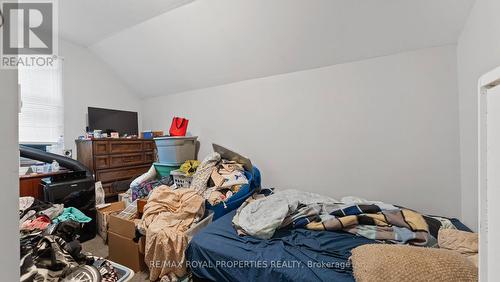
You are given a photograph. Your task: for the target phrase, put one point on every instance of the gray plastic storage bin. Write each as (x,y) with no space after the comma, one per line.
(176,150)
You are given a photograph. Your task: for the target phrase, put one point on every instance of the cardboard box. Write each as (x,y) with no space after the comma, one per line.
(122,248)
(125,251)
(126,198)
(140,206)
(103,218)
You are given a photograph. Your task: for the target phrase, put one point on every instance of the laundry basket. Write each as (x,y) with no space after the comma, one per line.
(181,180)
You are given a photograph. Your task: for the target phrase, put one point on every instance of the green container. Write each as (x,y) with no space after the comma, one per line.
(165,169)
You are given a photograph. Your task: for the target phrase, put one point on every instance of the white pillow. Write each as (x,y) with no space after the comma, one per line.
(148,176)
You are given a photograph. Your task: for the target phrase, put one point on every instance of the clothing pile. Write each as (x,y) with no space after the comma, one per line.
(143,189)
(170,211)
(141,186)
(374,220)
(49,246)
(36,215)
(168,214)
(51,258)
(217,179)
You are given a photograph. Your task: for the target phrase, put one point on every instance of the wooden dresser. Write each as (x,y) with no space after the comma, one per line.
(116,159)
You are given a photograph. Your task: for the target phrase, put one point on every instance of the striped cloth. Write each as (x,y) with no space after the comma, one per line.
(372,221)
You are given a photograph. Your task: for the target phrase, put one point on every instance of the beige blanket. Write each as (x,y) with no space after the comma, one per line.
(167,215)
(465,243)
(395,263)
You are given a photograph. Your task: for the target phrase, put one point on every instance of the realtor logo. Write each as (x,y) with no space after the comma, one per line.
(29,34)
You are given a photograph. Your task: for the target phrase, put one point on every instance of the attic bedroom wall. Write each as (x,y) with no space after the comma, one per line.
(478,52)
(383,129)
(87,81)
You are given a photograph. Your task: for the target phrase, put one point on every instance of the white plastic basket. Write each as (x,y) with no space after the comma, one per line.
(180,179)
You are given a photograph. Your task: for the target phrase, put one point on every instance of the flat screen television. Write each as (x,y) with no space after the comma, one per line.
(107,120)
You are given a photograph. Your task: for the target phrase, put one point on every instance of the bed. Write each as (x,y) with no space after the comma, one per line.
(217,253)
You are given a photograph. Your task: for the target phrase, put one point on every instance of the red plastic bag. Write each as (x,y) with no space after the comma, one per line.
(179,126)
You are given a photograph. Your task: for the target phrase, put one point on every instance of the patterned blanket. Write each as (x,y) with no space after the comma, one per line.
(398,225)
(296,209)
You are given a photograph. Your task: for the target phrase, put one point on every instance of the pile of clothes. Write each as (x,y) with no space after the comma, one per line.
(214,178)
(36,216)
(217,179)
(167,216)
(170,211)
(49,246)
(51,258)
(144,184)
(371,219)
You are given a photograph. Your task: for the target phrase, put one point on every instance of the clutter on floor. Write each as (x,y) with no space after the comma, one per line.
(50,246)
(166,224)
(167,210)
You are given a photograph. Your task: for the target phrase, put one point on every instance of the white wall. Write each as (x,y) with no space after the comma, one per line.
(384,128)
(87,81)
(9,174)
(478,52)
(210,43)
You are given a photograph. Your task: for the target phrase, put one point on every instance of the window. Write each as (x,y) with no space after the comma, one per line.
(41,120)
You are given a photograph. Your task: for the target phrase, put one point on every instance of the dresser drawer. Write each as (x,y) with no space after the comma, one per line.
(107,188)
(148,145)
(119,147)
(110,175)
(126,159)
(101,162)
(149,157)
(101,147)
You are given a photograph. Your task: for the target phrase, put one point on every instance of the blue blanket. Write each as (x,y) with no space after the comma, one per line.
(219,254)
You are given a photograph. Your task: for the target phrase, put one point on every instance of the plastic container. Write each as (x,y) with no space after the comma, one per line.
(181,179)
(176,150)
(165,169)
(147,135)
(124,273)
(54,167)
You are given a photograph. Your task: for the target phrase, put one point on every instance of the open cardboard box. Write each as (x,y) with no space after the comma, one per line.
(122,248)
(103,218)
(140,206)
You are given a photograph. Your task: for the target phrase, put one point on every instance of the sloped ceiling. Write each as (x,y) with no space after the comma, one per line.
(86,22)
(213,42)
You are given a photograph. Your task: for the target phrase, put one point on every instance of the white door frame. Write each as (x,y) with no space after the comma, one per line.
(487,81)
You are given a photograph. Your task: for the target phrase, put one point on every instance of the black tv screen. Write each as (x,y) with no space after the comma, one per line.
(107,120)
